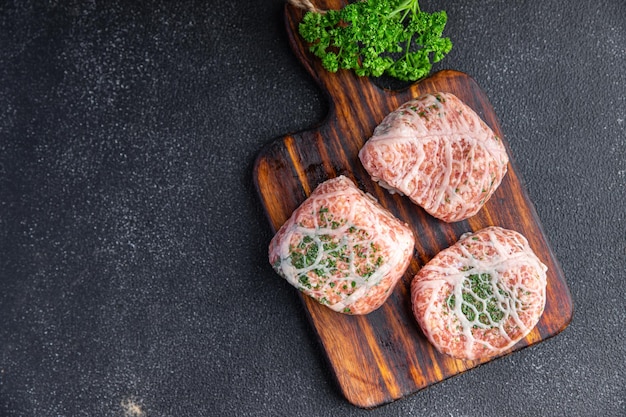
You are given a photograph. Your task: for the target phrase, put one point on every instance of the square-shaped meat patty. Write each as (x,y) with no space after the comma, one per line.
(480,296)
(342,248)
(437,151)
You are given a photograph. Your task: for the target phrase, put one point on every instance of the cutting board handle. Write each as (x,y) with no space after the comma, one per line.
(341,85)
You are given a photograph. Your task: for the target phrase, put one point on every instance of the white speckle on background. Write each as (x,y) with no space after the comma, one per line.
(132,408)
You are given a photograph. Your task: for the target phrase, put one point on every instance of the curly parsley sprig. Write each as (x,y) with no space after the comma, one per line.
(376,37)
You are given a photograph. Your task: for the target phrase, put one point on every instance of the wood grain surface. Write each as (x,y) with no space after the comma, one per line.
(383,356)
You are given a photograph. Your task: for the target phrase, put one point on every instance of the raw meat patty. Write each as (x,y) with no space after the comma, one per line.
(480,296)
(437,151)
(342,248)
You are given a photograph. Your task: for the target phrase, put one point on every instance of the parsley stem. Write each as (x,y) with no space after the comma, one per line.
(406,7)
(408,46)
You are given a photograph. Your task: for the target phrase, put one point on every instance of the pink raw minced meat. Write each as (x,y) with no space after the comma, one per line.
(479,297)
(342,248)
(437,151)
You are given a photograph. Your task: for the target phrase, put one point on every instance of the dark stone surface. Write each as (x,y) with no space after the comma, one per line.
(133,267)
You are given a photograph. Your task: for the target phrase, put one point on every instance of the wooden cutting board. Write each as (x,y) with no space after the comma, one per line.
(384,356)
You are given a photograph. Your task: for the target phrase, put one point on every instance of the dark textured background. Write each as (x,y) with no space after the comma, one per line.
(133,247)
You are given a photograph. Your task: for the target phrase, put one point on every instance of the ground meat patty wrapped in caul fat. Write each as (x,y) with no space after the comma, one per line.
(342,248)
(480,296)
(437,151)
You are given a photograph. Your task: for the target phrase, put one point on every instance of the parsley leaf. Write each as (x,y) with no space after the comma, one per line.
(376,37)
